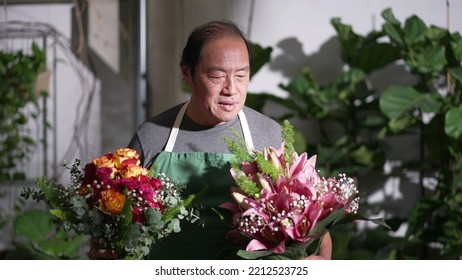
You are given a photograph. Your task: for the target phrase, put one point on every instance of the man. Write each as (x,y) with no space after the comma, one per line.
(187,142)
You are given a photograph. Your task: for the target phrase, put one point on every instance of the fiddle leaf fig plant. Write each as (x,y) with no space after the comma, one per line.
(433,108)
(18,74)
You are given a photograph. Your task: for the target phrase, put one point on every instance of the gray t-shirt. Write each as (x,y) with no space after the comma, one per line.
(152,135)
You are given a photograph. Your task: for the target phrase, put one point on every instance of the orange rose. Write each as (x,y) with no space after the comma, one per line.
(127,153)
(124,154)
(112,202)
(108,160)
(132,170)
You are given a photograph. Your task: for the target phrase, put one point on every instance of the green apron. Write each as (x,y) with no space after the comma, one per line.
(198,170)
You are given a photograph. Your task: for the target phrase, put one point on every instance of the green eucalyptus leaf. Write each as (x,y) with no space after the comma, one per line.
(132,235)
(453,122)
(152,216)
(174,225)
(145,250)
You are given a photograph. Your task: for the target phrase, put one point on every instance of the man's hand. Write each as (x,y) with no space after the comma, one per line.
(98,253)
(325,250)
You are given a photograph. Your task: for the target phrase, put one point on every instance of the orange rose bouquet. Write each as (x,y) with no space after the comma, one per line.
(118,201)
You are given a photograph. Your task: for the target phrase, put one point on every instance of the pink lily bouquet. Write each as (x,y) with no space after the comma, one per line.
(116,200)
(281,203)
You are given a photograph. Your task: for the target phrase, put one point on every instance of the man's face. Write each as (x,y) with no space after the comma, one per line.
(220,82)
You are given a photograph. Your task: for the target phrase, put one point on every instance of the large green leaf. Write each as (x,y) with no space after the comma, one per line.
(389,17)
(392,27)
(61,246)
(431,59)
(352,217)
(453,122)
(260,56)
(375,56)
(429,103)
(414,30)
(348,40)
(35,225)
(456,45)
(435,33)
(396,101)
(456,72)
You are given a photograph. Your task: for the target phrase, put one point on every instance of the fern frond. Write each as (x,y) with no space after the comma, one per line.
(289,139)
(267,167)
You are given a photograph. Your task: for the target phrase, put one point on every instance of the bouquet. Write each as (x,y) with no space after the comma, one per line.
(117,201)
(281,203)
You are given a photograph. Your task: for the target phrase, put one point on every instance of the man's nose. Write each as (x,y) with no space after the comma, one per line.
(230,86)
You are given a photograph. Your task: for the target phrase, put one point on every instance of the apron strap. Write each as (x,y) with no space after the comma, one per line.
(176,128)
(246,131)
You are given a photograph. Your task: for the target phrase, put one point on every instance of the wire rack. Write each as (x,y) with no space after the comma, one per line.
(18,36)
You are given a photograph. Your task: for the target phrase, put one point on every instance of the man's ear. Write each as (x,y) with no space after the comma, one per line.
(187,76)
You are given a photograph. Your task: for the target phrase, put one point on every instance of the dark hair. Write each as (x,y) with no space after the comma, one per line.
(206,33)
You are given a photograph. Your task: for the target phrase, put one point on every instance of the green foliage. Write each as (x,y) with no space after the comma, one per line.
(289,140)
(18,74)
(242,155)
(432,54)
(43,238)
(364,119)
(239,149)
(260,56)
(267,167)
